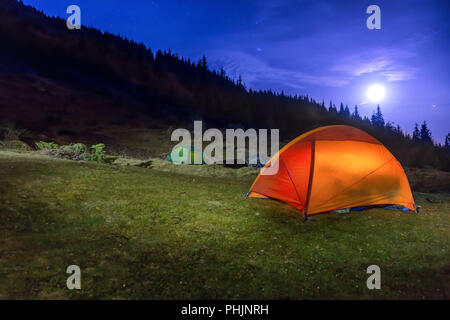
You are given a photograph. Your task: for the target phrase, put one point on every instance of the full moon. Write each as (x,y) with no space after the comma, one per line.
(375,93)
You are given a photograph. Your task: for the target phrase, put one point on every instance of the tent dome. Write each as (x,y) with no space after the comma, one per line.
(332,168)
(186,155)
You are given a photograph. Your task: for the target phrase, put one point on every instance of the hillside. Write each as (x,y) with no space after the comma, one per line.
(82,85)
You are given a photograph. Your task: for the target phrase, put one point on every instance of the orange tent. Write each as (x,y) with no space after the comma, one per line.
(334,167)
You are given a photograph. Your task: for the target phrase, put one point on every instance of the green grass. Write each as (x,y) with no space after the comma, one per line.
(156,233)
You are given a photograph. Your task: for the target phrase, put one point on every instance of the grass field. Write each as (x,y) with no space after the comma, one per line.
(159,233)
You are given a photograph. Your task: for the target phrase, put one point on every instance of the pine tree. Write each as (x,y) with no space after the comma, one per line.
(377,118)
(239,82)
(447,142)
(347,111)
(222,72)
(416,133)
(425,133)
(203,63)
(341,109)
(356,113)
(159,56)
(332,108)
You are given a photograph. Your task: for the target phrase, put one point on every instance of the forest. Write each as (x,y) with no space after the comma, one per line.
(110,79)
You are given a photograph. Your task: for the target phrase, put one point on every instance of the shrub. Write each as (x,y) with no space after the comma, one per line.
(97,153)
(76,151)
(42,145)
(77,148)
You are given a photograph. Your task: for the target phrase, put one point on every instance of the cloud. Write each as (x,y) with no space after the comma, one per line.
(301,53)
(381,62)
(255,70)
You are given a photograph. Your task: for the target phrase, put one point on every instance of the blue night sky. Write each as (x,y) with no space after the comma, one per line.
(317,47)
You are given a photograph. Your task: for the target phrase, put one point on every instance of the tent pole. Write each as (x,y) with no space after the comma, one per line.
(311,173)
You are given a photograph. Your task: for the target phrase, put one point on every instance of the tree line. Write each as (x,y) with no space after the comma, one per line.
(179,90)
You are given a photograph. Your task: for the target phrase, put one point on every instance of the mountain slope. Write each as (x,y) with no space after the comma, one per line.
(77,84)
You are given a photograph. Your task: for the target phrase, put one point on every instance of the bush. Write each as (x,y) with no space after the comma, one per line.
(77,148)
(97,154)
(42,145)
(77,151)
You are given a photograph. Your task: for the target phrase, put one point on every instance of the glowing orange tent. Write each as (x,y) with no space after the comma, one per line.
(334,167)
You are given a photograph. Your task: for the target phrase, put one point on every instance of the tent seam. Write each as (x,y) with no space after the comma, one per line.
(293,184)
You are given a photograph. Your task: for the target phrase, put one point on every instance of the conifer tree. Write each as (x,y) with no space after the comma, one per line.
(356,113)
(425,133)
(204,64)
(377,118)
(347,111)
(416,133)
(341,109)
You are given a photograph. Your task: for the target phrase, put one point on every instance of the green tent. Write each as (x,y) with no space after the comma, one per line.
(185,155)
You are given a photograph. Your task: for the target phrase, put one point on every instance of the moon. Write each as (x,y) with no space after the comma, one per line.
(376,93)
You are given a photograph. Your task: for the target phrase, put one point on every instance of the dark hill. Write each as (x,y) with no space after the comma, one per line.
(69,84)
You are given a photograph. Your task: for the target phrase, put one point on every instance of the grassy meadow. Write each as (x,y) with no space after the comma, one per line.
(160,231)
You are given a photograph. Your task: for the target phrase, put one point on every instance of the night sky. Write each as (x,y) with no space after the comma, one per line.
(317,47)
